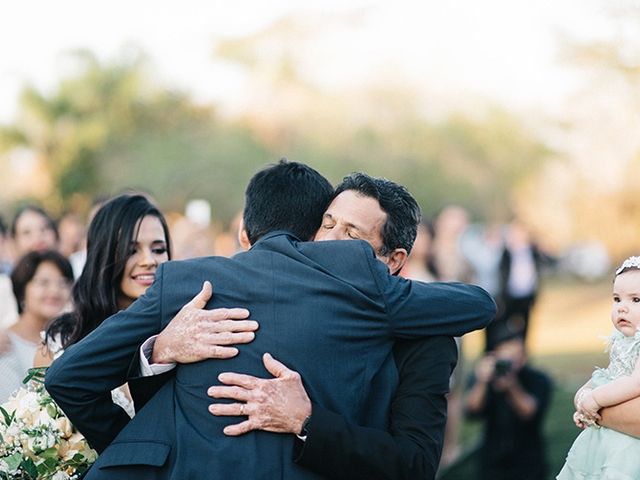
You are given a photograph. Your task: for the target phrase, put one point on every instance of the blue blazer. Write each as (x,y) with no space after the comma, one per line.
(329,310)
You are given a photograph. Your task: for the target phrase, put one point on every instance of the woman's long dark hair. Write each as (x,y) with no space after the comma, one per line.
(96,292)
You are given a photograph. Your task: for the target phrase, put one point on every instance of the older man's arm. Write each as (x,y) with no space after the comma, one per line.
(624,417)
(333,447)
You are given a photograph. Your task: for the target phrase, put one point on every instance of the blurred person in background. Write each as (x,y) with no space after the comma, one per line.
(8,307)
(482,246)
(5,261)
(520,266)
(79,256)
(71,230)
(33,229)
(511,398)
(420,264)
(42,285)
(451,265)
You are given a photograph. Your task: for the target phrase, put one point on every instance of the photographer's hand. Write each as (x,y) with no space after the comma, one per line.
(478,394)
(486,368)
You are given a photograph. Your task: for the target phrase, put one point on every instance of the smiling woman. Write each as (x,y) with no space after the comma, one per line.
(127,240)
(148,250)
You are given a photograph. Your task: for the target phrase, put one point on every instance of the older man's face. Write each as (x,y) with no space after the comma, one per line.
(353,216)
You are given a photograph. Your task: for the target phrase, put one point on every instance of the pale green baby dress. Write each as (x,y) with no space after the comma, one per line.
(599,452)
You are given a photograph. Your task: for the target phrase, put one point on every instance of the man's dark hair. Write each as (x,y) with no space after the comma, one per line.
(287,196)
(403,212)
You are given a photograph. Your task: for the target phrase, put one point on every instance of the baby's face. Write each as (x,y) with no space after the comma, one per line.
(625,309)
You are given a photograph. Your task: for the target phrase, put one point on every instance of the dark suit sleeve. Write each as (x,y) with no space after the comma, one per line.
(143,388)
(418,309)
(411,448)
(82,379)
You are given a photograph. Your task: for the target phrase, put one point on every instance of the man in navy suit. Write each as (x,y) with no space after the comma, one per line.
(330,310)
(379,211)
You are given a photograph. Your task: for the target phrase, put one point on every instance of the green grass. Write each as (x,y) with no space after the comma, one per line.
(568,373)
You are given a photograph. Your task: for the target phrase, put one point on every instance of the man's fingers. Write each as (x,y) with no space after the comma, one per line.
(203,296)
(245,381)
(234,393)
(274,367)
(240,428)
(232,326)
(218,314)
(228,409)
(221,352)
(228,338)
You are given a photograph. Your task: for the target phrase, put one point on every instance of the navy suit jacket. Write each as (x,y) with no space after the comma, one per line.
(328,310)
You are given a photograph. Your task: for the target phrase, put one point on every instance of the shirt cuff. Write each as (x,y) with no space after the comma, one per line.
(150,369)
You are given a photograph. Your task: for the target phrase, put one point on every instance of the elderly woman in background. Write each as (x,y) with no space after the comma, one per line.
(42,288)
(32,229)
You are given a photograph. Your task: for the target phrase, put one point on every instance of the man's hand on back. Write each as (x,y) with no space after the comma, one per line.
(279,404)
(196,334)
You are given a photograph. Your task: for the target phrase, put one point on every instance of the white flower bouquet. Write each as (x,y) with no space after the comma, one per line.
(37,441)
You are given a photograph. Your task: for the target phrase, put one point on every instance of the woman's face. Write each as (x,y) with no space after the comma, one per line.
(47,293)
(148,250)
(33,233)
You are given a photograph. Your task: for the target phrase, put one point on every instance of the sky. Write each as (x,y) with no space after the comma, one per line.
(503,50)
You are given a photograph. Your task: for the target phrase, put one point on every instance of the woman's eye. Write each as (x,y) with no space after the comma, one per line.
(159,251)
(352,235)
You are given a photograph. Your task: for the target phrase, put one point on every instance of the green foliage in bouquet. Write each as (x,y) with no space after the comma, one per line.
(37,441)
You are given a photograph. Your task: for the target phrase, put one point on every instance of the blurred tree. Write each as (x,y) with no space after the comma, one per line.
(474,162)
(606,116)
(68,128)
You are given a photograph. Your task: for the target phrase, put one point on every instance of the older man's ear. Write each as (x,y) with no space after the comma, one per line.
(396,260)
(243,238)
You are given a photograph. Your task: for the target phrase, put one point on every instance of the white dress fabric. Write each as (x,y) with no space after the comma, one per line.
(15,360)
(600,453)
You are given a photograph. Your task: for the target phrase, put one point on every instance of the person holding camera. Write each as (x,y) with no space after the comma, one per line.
(512,399)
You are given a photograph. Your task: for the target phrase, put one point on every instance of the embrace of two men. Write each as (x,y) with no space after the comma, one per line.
(373,350)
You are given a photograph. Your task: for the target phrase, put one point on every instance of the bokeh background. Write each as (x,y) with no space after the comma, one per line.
(510,109)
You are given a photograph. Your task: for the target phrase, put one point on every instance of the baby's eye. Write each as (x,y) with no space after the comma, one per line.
(616,299)
(636,299)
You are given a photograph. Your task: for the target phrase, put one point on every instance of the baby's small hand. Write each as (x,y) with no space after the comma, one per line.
(578,419)
(583,421)
(588,406)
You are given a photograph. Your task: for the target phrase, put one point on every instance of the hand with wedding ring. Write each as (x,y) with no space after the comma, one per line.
(278,404)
